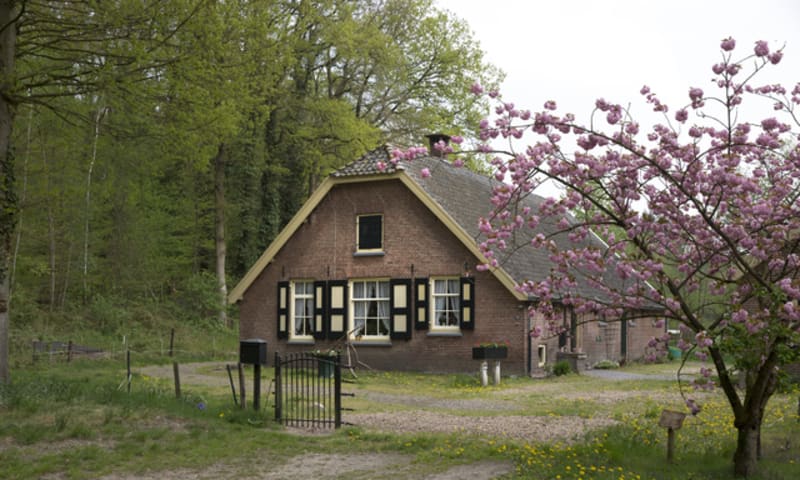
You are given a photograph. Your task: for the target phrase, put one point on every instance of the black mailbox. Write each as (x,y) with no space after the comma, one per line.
(253,351)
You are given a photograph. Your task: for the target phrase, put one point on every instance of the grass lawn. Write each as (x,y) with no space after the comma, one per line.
(76,420)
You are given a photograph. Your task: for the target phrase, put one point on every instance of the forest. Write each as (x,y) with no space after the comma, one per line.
(152,150)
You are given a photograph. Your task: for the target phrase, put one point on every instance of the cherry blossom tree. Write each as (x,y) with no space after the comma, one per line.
(701,217)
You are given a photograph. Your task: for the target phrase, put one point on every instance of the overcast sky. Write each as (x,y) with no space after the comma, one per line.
(574,51)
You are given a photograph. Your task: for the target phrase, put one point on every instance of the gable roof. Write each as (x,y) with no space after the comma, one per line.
(458,197)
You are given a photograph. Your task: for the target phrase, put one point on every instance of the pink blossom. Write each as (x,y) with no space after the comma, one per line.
(476,88)
(550,105)
(425,173)
(693,406)
(761,49)
(728,44)
(681,115)
(775,57)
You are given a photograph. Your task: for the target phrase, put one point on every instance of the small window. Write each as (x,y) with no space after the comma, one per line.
(369,233)
(446,293)
(302,310)
(542,354)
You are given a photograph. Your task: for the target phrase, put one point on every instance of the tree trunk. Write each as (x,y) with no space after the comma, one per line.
(88,214)
(219,202)
(745,459)
(8,201)
(21,205)
(748,417)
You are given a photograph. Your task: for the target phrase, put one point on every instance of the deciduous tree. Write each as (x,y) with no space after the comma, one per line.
(708,200)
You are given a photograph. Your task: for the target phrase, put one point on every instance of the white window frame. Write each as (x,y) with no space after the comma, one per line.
(308,295)
(358,233)
(434,326)
(361,335)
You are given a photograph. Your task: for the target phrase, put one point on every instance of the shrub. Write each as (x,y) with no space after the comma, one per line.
(562,367)
(606,365)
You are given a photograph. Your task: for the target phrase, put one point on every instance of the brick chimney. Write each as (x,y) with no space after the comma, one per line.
(435,138)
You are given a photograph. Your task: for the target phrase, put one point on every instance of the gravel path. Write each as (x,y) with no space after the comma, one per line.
(526,428)
(426,414)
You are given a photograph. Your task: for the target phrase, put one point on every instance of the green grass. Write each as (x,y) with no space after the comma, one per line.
(77,420)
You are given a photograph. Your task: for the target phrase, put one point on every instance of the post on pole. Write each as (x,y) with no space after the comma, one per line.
(242,391)
(256,386)
(233,388)
(128,362)
(177,375)
(484,373)
(672,421)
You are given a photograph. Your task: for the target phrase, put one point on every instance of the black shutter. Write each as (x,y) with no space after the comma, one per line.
(400,308)
(320,309)
(421,304)
(283,310)
(467,299)
(336,325)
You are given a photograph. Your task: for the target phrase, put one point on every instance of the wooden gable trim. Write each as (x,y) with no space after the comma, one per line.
(466,239)
(319,194)
(294,224)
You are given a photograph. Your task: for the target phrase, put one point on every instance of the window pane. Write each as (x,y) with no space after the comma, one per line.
(371,308)
(445,299)
(370,232)
(453,286)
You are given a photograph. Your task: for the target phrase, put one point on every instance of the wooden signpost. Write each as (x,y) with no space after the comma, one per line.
(671,420)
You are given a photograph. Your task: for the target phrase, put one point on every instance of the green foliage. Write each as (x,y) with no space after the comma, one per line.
(116,206)
(562,367)
(606,365)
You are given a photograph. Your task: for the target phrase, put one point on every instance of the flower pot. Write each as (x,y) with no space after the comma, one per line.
(325,366)
(489,353)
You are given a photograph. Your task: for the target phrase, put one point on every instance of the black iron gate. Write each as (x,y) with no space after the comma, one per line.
(308,390)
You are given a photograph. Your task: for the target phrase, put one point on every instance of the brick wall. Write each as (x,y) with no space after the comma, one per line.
(601,340)
(323,247)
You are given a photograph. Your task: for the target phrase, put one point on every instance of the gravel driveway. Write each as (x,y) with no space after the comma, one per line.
(426,415)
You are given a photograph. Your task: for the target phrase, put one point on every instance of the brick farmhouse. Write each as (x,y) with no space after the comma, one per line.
(385,259)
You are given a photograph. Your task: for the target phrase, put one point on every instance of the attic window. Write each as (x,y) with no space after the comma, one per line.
(369,233)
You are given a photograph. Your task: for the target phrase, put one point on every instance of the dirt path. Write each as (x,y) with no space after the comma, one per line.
(426,416)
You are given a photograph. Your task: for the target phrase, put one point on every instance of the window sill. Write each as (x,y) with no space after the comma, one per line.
(445,334)
(300,341)
(375,343)
(369,254)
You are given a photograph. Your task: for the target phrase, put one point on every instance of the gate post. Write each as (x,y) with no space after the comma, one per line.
(278,388)
(337,390)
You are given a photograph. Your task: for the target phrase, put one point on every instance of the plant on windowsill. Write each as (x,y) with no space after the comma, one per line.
(490,351)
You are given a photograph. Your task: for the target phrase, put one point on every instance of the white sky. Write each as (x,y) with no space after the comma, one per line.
(575,51)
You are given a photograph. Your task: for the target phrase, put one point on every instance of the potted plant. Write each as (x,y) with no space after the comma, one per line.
(326,360)
(490,351)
